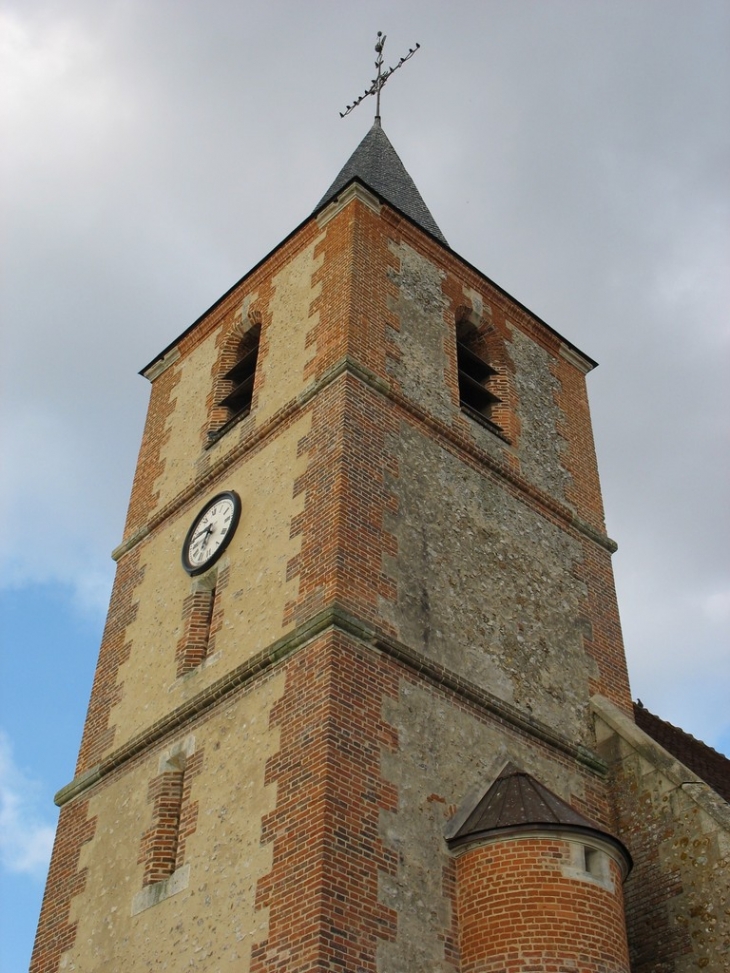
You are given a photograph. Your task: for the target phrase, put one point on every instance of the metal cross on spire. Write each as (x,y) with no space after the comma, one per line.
(379,82)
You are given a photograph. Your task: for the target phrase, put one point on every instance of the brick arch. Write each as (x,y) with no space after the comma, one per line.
(242,336)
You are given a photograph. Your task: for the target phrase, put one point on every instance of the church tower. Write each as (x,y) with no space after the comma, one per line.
(341,714)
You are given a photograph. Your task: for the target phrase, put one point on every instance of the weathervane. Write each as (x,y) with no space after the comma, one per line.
(378,83)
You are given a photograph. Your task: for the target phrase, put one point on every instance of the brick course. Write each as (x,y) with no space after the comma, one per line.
(98,734)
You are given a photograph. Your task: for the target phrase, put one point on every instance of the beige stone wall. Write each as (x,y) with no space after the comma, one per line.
(286,353)
(678,831)
(252,601)
(188,417)
(211,924)
(283,358)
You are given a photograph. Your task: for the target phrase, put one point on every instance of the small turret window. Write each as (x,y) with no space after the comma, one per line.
(593,861)
(589,864)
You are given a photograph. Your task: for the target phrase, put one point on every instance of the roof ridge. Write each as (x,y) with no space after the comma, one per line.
(639,705)
(679,729)
(712,766)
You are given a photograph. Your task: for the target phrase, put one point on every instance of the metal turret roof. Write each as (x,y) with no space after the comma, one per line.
(376,164)
(516,803)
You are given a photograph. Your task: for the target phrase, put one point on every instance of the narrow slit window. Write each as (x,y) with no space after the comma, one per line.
(160,845)
(198,617)
(593,861)
(173,820)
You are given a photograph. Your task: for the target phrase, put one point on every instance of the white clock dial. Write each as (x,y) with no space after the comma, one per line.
(211,532)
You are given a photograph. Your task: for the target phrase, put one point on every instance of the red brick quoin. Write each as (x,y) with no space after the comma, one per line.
(322,892)
(56,932)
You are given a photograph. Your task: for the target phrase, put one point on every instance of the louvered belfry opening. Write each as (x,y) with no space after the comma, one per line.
(242,375)
(474,376)
(475,373)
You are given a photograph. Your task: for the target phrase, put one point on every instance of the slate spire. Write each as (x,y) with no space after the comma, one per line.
(377,165)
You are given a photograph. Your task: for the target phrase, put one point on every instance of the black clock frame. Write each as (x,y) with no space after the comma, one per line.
(194,569)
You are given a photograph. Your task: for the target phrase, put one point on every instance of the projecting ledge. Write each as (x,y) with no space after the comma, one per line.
(154,894)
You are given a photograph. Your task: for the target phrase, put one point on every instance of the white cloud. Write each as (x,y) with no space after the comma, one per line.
(55,83)
(676,648)
(26,840)
(716,606)
(55,527)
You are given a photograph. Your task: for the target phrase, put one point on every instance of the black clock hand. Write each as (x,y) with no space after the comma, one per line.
(206,530)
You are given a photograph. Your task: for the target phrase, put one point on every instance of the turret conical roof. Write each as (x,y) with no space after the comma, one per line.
(376,164)
(517,803)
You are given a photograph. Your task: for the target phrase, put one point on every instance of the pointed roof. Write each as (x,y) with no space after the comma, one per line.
(376,164)
(516,803)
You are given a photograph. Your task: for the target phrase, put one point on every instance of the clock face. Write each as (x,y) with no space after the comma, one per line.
(211,532)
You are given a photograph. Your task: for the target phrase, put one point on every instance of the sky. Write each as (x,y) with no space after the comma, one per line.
(576,151)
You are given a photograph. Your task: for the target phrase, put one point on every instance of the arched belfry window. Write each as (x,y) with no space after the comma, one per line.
(476,397)
(240,378)
(234,387)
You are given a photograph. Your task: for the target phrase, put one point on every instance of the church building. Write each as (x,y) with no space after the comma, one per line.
(361,703)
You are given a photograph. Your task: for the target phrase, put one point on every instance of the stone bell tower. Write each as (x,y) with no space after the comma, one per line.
(363,599)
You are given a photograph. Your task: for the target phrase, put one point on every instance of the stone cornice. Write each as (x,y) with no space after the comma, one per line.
(275,654)
(678,774)
(577,359)
(446,435)
(161,365)
(354,191)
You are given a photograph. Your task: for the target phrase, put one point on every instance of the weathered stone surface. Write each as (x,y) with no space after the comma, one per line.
(486,585)
(541,445)
(251,607)
(678,831)
(422,334)
(445,752)
(287,350)
(210,923)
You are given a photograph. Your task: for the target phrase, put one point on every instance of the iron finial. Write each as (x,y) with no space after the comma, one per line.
(378,83)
